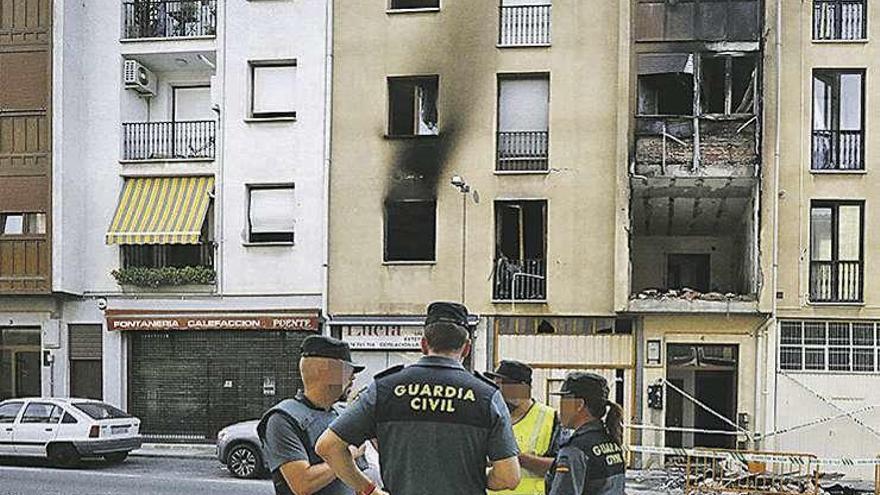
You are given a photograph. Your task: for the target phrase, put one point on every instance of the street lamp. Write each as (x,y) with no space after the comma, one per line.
(464,188)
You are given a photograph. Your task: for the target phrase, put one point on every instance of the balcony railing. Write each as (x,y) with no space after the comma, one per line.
(838,150)
(522,151)
(524,25)
(839,20)
(520,280)
(169,140)
(836,281)
(169,18)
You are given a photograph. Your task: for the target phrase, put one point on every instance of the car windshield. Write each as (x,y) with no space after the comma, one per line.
(98,410)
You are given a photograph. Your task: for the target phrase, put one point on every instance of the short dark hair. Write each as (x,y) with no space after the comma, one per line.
(445,337)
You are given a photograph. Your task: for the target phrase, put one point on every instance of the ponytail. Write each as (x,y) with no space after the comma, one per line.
(614,422)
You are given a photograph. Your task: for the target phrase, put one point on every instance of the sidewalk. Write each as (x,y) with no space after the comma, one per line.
(179,450)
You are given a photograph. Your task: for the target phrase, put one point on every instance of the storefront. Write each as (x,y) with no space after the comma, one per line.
(190,374)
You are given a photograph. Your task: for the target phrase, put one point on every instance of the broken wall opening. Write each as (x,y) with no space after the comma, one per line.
(520,250)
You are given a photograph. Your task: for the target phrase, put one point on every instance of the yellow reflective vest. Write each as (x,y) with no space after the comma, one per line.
(534,433)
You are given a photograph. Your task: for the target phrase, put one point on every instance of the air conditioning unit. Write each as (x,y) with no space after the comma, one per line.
(138,78)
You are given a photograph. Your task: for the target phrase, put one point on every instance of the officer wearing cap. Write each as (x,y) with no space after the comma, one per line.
(290,429)
(535,426)
(436,423)
(591,461)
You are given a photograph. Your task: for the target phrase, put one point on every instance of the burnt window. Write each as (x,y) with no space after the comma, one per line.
(838,119)
(727,85)
(412,106)
(688,271)
(520,250)
(836,251)
(410,230)
(666,84)
(705,20)
(414,4)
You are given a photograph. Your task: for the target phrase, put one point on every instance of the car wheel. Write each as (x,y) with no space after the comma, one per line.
(244,461)
(116,457)
(63,455)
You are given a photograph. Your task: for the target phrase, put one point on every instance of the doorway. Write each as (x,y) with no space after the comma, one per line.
(709,374)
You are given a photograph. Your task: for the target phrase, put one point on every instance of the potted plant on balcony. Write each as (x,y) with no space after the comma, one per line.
(187,278)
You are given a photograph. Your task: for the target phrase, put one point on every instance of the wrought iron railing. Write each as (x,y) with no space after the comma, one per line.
(169,18)
(520,280)
(169,140)
(836,281)
(838,150)
(524,25)
(522,151)
(839,20)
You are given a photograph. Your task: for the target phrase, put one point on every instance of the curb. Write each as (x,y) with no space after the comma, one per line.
(183,451)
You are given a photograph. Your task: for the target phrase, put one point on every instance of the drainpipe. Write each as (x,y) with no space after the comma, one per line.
(328,114)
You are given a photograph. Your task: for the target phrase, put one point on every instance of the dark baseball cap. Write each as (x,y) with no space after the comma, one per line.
(512,370)
(582,385)
(328,347)
(448,312)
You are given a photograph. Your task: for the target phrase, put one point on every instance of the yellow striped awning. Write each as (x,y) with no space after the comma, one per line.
(161,210)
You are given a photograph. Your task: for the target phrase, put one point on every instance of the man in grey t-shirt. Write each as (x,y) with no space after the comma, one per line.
(289,430)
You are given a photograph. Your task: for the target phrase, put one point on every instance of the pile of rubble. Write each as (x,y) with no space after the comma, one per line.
(737,479)
(691,295)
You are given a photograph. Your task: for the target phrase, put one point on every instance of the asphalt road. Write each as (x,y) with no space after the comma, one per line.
(135,476)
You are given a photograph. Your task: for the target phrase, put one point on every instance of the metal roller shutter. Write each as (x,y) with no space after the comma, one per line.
(85,341)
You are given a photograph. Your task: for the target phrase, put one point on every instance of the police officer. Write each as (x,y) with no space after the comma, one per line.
(290,429)
(591,461)
(535,426)
(435,422)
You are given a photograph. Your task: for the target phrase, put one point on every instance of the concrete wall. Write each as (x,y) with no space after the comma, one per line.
(649,258)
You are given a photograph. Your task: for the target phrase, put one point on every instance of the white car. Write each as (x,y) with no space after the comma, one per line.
(66,430)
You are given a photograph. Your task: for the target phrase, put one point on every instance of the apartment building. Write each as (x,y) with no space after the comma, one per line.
(187,218)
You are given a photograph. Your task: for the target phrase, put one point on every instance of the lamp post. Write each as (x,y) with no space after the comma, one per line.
(464,188)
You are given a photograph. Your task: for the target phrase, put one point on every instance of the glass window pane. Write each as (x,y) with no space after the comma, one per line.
(814,359)
(822,90)
(274,89)
(849,231)
(790,358)
(814,333)
(272,210)
(863,359)
(838,333)
(838,359)
(13,224)
(524,104)
(863,334)
(820,234)
(850,102)
(791,333)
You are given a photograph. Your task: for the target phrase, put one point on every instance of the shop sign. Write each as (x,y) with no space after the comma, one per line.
(214,322)
(383,337)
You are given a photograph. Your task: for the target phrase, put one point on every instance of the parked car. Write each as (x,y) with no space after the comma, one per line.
(66,430)
(238,448)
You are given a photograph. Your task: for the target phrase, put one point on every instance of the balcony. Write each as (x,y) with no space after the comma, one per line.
(839,20)
(169,18)
(836,281)
(24,264)
(160,141)
(520,280)
(838,150)
(522,151)
(524,25)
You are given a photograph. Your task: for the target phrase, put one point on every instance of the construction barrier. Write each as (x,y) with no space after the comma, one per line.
(718,472)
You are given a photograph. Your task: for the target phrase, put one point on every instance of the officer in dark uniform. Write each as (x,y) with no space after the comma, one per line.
(591,461)
(290,429)
(437,424)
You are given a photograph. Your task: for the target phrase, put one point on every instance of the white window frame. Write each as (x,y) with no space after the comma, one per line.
(249,234)
(826,348)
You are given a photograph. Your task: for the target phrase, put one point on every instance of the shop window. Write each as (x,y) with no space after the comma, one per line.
(412,106)
(22,224)
(273,89)
(271,213)
(410,230)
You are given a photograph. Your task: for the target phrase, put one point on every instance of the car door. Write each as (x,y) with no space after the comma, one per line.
(8,412)
(37,426)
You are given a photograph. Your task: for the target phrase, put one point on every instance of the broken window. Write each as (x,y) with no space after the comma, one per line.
(410,230)
(412,106)
(523,123)
(727,85)
(836,257)
(414,4)
(688,271)
(666,84)
(838,115)
(520,247)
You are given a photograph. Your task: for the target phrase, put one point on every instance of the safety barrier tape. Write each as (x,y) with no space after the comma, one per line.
(637,426)
(817,422)
(769,458)
(833,405)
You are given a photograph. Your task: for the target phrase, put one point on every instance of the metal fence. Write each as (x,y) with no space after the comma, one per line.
(728,472)
(169,18)
(524,25)
(520,280)
(839,20)
(838,150)
(836,281)
(169,140)
(522,151)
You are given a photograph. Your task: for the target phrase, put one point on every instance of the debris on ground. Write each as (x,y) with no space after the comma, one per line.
(689,294)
